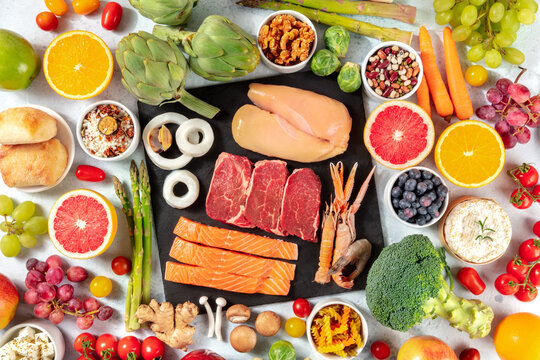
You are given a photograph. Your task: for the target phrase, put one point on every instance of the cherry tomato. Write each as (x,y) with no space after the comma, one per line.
(106,345)
(527,175)
(469,354)
(101,286)
(295,327)
(57,7)
(476,75)
(85,343)
(526,293)
(518,267)
(47,21)
(520,199)
(152,348)
(507,284)
(536,193)
(121,265)
(536,229)
(469,278)
(301,308)
(380,350)
(534,275)
(86,357)
(85,7)
(530,250)
(89,173)
(129,347)
(111,16)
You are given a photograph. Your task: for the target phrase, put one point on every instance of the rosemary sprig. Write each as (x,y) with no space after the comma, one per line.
(484,229)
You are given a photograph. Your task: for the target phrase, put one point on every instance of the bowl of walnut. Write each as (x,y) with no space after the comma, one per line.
(287,41)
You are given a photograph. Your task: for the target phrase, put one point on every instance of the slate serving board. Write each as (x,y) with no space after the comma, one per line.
(229,97)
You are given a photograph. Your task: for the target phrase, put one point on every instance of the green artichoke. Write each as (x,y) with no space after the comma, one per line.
(168,12)
(155,71)
(349,78)
(336,39)
(220,50)
(324,63)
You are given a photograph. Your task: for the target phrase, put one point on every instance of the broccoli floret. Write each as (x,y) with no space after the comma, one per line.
(405,285)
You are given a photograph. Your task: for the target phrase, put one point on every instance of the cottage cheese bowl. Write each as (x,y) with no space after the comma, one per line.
(475,230)
(108,131)
(30,337)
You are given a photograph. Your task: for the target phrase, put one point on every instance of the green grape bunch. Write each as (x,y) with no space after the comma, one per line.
(489,27)
(20,226)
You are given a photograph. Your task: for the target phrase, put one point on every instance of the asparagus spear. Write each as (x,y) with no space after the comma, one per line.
(359,27)
(138,259)
(147,232)
(405,13)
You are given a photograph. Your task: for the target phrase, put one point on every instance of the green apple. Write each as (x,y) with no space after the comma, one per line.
(19,63)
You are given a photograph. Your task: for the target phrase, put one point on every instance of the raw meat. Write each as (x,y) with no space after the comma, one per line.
(228,190)
(301,202)
(235,240)
(265,194)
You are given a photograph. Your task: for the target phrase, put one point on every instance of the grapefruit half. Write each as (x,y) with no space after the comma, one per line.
(399,134)
(82,224)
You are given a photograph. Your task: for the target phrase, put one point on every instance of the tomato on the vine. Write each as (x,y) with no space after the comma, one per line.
(121,265)
(301,308)
(536,229)
(526,293)
(469,354)
(85,343)
(534,275)
(507,284)
(530,249)
(152,348)
(520,199)
(47,21)
(87,357)
(380,350)
(536,193)
(526,174)
(518,267)
(129,348)
(106,345)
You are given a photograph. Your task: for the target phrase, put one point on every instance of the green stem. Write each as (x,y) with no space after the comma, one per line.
(147,232)
(195,104)
(137,263)
(174,34)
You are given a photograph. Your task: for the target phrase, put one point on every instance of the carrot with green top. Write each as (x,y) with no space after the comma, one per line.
(454,77)
(436,85)
(422,95)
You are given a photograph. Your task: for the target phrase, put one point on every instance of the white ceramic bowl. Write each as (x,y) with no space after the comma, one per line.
(136,126)
(323,304)
(293,68)
(388,197)
(44,326)
(372,52)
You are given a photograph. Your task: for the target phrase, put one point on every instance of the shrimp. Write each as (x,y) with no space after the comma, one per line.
(358,254)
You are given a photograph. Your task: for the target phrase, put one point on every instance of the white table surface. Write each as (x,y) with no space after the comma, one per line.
(19,16)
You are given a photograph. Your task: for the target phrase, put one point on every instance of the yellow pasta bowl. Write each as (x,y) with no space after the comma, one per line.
(336,329)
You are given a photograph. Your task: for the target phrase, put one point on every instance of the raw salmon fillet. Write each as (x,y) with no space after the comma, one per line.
(235,240)
(229,261)
(200,276)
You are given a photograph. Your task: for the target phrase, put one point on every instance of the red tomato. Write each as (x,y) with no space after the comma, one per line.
(469,354)
(85,342)
(301,308)
(47,21)
(536,193)
(518,267)
(89,173)
(536,229)
(111,16)
(526,293)
(86,357)
(469,278)
(121,265)
(520,199)
(152,348)
(530,250)
(106,346)
(527,175)
(534,275)
(129,347)
(507,284)
(380,350)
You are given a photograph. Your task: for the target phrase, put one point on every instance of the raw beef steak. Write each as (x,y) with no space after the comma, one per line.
(265,194)
(300,207)
(228,190)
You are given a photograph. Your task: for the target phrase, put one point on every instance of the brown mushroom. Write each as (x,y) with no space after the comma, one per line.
(107,125)
(238,314)
(268,323)
(243,339)
(160,139)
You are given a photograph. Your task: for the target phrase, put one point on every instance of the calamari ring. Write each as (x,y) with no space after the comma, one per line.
(191,129)
(181,176)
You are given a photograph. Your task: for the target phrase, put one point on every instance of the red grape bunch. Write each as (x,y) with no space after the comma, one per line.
(54,300)
(517,109)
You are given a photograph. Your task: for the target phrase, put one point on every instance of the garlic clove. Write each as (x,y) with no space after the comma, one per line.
(160,139)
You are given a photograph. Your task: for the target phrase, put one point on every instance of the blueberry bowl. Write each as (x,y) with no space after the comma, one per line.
(417,197)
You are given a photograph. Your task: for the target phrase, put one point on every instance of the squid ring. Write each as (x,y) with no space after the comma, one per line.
(181,176)
(190,129)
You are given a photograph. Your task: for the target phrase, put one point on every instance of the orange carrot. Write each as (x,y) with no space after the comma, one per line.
(454,77)
(422,95)
(436,85)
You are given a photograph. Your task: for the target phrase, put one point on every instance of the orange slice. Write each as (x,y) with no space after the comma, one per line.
(78,65)
(470,154)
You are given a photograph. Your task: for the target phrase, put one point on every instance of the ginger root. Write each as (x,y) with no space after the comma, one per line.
(171,325)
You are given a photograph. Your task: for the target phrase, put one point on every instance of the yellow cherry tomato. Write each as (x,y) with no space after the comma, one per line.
(295,327)
(516,337)
(57,7)
(476,75)
(85,7)
(101,286)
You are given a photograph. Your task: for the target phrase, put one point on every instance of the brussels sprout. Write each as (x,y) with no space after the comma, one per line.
(324,63)
(337,40)
(349,78)
(282,350)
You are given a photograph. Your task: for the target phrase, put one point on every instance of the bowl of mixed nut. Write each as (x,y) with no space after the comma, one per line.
(392,70)
(287,41)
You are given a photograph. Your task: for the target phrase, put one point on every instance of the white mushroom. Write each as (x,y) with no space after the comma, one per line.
(220,302)
(181,176)
(204,301)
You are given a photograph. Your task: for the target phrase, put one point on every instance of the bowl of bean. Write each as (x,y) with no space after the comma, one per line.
(391,70)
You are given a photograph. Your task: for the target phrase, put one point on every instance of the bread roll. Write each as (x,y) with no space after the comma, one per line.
(33,164)
(25,125)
